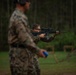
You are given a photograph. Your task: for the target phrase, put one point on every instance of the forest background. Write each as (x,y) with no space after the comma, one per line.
(57,14)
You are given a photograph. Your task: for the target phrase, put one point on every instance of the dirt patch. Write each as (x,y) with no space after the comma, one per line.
(5,73)
(69,74)
(58,73)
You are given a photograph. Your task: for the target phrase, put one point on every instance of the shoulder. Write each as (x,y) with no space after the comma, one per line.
(19,17)
(15,16)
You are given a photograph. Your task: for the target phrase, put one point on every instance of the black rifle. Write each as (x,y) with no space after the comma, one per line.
(47,32)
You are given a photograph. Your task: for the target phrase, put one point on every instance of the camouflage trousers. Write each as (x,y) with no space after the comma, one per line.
(36,63)
(21,62)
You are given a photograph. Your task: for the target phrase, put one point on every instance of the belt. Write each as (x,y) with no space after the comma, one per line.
(18,45)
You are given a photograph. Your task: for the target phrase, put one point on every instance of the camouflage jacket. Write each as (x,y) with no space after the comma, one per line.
(19,31)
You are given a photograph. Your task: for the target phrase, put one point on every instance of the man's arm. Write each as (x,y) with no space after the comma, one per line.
(25,38)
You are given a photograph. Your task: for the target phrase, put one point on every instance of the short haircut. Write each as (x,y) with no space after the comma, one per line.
(35,26)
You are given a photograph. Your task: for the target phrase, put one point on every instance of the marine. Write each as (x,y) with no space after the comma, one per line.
(21,44)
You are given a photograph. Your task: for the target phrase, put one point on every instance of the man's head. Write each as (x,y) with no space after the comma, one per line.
(36,28)
(22,4)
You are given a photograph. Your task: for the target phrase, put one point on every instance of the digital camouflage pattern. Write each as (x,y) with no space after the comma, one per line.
(21,58)
(36,63)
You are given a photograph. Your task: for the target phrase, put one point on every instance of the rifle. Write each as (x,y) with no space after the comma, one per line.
(47,32)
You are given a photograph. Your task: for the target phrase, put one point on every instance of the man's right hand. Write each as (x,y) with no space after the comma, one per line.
(40,53)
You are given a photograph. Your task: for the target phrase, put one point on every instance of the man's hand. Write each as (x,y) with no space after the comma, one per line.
(42,35)
(57,32)
(40,53)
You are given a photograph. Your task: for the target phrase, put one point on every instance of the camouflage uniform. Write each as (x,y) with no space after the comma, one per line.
(21,45)
(36,62)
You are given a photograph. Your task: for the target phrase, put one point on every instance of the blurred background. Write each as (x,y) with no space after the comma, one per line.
(57,14)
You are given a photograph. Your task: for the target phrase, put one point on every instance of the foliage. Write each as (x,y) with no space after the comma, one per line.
(59,14)
(67,38)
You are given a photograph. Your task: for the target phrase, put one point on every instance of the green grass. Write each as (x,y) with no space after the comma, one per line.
(54,64)
(4,61)
(58,64)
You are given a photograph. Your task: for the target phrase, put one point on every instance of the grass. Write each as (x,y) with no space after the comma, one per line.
(54,64)
(58,64)
(4,61)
